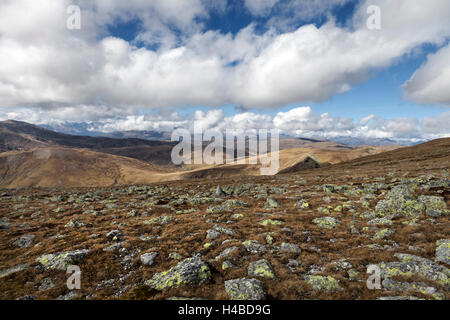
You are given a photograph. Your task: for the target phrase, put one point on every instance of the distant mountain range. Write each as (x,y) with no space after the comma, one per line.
(32,156)
(19,136)
(85,129)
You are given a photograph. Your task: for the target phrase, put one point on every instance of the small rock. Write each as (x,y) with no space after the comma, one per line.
(254,246)
(7,272)
(289,247)
(443,251)
(261,268)
(271,203)
(25,241)
(149,258)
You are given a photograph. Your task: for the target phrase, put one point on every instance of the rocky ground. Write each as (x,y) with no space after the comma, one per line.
(297,236)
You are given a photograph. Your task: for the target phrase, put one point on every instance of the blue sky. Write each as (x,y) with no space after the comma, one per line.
(381,94)
(311,68)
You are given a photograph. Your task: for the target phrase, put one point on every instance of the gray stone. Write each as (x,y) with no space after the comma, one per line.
(192,271)
(245,289)
(443,251)
(25,241)
(149,258)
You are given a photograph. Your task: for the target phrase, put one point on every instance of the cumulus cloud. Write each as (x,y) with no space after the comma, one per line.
(437,126)
(297,122)
(431,83)
(42,64)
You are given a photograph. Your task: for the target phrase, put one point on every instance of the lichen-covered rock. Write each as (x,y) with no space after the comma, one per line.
(321,283)
(443,251)
(245,289)
(261,268)
(419,287)
(175,256)
(227,265)
(60,261)
(436,206)
(159,220)
(400,201)
(270,222)
(433,202)
(352,274)
(227,206)
(271,203)
(382,234)
(289,247)
(74,224)
(25,241)
(410,265)
(326,222)
(7,272)
(254,246)
(5,223)
(114,235)
(217,231)
(192,271)
(225,253)
(381,221)
(46,283)
(303,204)
(149,258)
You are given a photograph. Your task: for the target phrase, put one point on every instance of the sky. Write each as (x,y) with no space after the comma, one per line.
(310,68)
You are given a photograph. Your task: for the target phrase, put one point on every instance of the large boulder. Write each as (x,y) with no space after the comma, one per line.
(60,261)
(192,271)
(410,265)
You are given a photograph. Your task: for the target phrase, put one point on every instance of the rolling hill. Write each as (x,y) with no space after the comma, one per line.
(18,136)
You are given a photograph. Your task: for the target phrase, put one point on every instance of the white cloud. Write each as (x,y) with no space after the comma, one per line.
(44,64)
(431,83)
(437,126)
(260,7)
(300,122)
